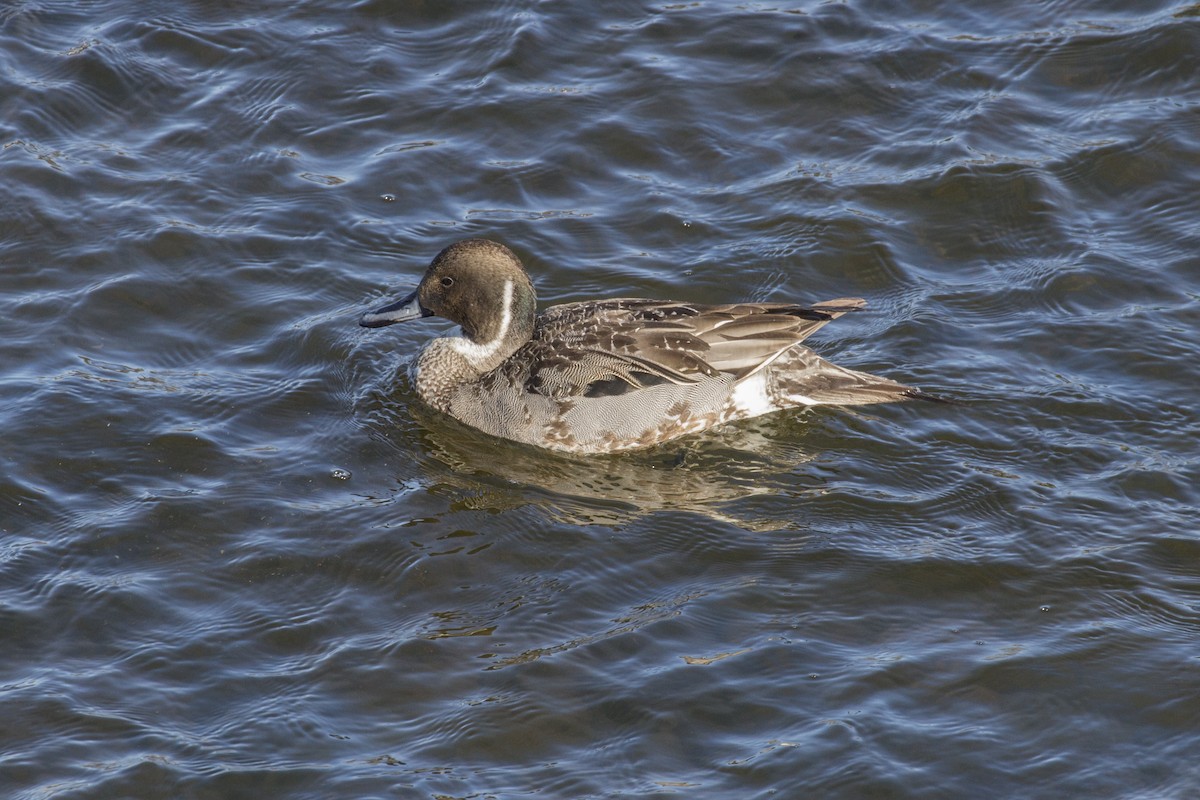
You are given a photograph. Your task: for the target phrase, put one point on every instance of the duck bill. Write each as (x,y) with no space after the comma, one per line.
(400,311)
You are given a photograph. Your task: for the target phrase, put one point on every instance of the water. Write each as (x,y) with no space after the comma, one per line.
(239,560)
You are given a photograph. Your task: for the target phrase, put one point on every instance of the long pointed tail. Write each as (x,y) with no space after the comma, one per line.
(807,379)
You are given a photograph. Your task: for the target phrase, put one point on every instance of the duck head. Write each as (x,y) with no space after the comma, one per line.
(479,284)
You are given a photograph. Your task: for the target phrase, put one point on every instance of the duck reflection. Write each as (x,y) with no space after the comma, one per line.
(713,474)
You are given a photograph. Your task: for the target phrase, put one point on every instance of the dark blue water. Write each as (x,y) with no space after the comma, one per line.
(238,559)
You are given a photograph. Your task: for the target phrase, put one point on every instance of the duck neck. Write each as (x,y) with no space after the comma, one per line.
(494,337)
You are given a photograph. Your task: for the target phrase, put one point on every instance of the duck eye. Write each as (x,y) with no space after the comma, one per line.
(447,281)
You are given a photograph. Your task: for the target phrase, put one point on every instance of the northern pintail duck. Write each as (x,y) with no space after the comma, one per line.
(605,375)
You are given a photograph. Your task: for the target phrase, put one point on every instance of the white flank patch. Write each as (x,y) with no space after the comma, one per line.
(749,396)
(478,354)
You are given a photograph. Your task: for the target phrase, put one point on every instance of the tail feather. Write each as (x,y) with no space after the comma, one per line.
(807,379)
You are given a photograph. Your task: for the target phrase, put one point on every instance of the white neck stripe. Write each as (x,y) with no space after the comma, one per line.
(477,353)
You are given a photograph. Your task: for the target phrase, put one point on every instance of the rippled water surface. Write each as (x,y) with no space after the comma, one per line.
(238,559)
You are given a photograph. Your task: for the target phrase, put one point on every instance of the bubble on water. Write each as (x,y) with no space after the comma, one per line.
(387,198)
(341,474)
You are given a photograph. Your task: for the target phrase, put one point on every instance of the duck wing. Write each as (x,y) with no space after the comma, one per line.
(744,339)
(607,347)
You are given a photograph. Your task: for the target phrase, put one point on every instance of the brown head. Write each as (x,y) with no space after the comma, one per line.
(477,283)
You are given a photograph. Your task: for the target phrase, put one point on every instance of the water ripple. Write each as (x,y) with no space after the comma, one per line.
(239,556)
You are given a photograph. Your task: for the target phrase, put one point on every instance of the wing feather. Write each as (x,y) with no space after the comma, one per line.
(626,344)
